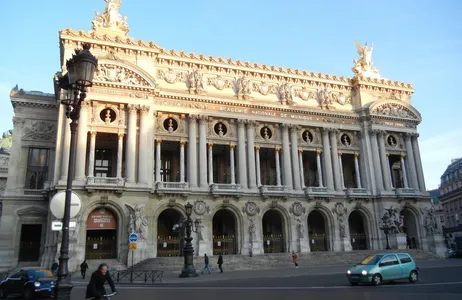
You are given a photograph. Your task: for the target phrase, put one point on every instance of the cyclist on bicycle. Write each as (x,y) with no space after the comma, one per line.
(95,288)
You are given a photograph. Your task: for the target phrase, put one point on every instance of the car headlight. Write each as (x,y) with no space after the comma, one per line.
(364,272)
(37,284)
(348,272)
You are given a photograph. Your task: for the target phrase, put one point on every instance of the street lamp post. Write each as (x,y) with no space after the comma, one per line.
(188,251)
(386,230)
(80,71)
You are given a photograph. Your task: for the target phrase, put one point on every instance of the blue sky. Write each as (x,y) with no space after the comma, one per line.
(417,42)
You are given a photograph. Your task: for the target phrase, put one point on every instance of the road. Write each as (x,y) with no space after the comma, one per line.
(437,281)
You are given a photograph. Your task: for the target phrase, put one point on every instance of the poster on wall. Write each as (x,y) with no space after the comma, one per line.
(101,219)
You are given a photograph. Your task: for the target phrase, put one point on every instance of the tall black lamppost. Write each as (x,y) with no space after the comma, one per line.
(80,71)
(188,251)
(386,230)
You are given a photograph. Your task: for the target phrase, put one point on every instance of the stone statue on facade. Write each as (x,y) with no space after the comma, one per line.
(364,65)
(196,82)
(76,231)
(243,88)
(251,229)
(325,98)
(341,212)
(392,220)
(138,221)
(285,93)
(431,222)
(301,229)
(111,18)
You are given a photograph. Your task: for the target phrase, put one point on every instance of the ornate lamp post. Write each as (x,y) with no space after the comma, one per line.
(188,269)
(81,69)
(386,230)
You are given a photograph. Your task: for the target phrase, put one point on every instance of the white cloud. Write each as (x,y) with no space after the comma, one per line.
(437,153)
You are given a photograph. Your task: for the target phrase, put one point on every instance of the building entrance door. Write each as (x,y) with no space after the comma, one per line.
(101,241)
(29,245)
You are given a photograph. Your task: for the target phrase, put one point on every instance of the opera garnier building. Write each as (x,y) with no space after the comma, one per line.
(272,159)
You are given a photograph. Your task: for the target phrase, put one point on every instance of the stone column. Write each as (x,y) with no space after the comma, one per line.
(335,161)
(383,161)
(120,149)
(143,149)
(91,158)
(403,169)
(300,163)
(82,136)
(203,150)
(418,162)
(319,168)
(376,161)
(357,172)
(295,160)
(257,165)
(287,174)
(182,173)
(327,159)
(278,166)
(411,162)
(158,161)
(389,171)
(251,154)
(242,174)
(65,153)
(192,151)
(340,163)
(210,163)
(231,162)
(131,144)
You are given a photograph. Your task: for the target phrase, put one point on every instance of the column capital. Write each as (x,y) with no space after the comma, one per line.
(340,154)
(210,145)
(85,104)
(145,109)
(158,142)
(388,155)
(277,149)
(182,143)
(285,125)
(203,119)
(132,108)
(402,155)
(93,133)
(232,146)
(241,122)
(257,148)
(374,132)
(300,150)
(120,135)
(193,117)
(356,155)
(318,152)
(294,127)
(251,123)
(407,135)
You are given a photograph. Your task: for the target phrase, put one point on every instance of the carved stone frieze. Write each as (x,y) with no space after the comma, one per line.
(327,98)
(251,208)
(171,76)
(200,207)
(243,88)
(263,88)
(40,131)
(196,82)
(220,83)
(118,74)
(4,161)
(18,122)
(285,93)
(305,94)
(394,110)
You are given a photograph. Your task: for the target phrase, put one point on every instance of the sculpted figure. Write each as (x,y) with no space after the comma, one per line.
(138,221)
(111,17)
(243,87)
(364,65)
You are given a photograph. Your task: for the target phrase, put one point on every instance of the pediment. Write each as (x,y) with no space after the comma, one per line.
(394,109)
(32,211)
(40,131)
(118,72)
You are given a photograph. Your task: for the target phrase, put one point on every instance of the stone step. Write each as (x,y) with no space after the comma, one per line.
(274,260)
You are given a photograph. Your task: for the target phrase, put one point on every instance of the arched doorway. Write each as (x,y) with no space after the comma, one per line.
(357,230)
(169,241)
(317,232)
(410,227)
(273,232)
(101,239)
(224,232)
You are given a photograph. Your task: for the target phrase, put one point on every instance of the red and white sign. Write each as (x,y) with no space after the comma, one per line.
(101,219)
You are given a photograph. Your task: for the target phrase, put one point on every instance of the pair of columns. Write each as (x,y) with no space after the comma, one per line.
(411,159)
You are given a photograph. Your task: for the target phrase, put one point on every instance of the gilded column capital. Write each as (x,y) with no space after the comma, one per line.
(300,151)
(120,135)
(318,152)
(340,154)
(356,155)
(232,146)
(182,143)
(402,155)
(132,108)
(277,149)
(210,145)
(159,141)
(257,148)
(93,133)
(144,109)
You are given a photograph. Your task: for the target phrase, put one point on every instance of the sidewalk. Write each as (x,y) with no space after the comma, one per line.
(171,277)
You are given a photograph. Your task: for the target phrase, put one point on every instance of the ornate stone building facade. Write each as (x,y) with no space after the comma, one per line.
(272,159)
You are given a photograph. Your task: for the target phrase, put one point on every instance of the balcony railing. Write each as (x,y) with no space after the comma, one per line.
(273,190)
(172,188)
(403,192)
(311,191)
(225,189)
(105,181)
(357,192)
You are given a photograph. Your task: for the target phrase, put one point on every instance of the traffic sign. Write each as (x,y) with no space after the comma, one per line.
(58,225)
(58,201)
(132,246)
(133,238)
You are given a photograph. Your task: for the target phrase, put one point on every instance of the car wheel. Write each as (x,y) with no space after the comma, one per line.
(413,277)
(354,283)
(3,293)
(28,294)
(376,280)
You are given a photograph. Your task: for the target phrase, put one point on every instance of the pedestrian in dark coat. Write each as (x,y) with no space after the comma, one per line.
(54,268)
(83,268)
(95,288)
(220,262)
(206,264)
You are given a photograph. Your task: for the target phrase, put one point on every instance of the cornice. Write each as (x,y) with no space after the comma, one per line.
(226,65)
(25,102)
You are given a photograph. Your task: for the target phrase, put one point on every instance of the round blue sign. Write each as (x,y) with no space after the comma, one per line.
(133,238)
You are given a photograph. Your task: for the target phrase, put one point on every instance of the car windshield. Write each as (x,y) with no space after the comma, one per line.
(40,273)
(371,260)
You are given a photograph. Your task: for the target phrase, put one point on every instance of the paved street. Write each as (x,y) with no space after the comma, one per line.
(438,280)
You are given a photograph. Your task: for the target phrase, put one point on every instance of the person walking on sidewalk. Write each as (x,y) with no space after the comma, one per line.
(54,268)
(83,268)
(206,262)
(220,262)
(295,259)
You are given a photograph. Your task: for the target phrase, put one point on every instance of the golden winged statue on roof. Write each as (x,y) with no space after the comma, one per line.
(111,18)
(364,65)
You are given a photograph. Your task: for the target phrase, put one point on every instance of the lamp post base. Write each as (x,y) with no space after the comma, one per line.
(188,271)
(63,291)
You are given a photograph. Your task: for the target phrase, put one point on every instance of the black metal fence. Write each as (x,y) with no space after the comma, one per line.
(133,276)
